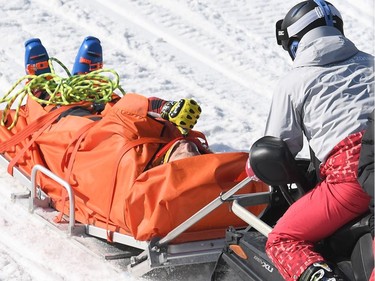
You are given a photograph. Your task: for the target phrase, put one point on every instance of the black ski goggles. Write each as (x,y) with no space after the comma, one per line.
(281,34)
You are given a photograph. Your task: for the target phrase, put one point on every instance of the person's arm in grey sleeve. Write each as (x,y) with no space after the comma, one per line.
(284,121)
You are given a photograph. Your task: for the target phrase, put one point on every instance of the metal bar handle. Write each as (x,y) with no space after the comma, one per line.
(203,212)
(251,219)
(59,180)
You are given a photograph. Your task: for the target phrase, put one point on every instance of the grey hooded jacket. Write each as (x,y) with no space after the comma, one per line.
(328,94)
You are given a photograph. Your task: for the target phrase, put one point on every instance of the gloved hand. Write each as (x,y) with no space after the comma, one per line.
(184,114)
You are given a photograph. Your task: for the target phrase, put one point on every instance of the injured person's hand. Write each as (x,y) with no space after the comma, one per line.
(184,114)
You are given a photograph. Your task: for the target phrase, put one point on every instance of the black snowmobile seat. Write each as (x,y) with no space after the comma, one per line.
(274,164)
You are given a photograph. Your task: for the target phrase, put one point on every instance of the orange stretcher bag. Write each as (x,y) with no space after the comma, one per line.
(107,162)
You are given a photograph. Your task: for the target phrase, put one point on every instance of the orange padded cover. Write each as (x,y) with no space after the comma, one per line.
(106,161)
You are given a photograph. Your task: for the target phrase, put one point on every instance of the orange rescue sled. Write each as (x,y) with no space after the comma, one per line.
(96,170)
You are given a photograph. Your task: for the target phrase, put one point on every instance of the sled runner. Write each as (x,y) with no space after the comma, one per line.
(95,171)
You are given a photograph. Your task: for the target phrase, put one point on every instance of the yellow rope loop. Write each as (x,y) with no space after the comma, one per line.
(97,86)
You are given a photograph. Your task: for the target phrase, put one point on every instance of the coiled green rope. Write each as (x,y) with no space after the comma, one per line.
(97,86)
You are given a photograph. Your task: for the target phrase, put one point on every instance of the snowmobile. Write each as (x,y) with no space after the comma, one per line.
(350,248)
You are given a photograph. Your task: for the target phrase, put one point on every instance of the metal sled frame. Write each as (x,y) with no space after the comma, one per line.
(156,253)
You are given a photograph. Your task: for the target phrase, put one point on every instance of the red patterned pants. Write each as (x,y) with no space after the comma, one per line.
(334,202)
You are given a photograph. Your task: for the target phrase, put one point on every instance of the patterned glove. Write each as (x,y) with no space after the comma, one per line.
(184,114)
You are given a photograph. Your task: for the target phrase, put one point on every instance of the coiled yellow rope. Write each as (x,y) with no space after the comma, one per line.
(97,86)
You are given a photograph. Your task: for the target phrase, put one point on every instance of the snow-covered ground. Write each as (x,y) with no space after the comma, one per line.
(221,52)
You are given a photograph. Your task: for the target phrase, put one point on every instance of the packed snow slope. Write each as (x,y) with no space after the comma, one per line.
(220,52)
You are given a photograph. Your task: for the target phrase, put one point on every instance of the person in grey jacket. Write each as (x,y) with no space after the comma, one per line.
(326,98)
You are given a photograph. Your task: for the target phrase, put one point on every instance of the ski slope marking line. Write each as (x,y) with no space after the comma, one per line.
(120,9)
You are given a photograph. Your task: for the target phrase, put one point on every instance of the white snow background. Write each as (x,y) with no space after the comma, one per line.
(222,53)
